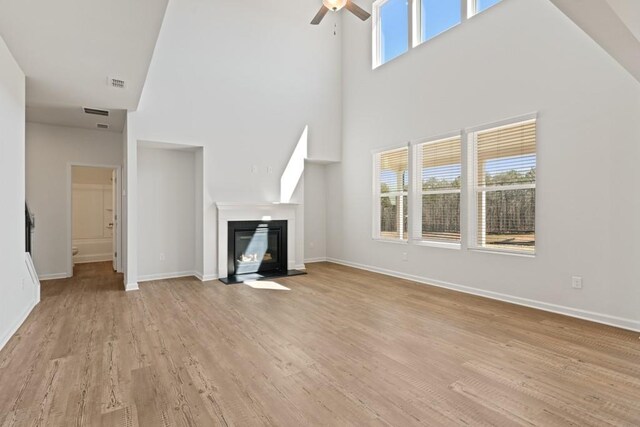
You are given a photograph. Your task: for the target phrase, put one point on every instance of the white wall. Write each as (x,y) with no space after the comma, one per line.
(520,56)
(18,294)
(166,213)
(243,80)
(315,213)
(50,151)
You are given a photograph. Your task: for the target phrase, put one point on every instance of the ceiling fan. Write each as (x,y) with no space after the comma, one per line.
(336,5)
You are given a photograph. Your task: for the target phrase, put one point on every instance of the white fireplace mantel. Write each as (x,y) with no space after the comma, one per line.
(234,211)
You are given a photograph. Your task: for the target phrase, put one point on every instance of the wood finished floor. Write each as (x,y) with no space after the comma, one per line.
(342,347)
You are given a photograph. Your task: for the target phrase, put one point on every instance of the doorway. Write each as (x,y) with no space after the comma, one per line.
(94,232)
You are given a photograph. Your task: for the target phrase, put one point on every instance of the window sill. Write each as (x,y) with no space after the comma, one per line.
(504,252)
(394,241)
(435,244)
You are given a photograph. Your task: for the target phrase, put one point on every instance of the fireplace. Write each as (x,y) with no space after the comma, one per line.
(250,248)
(257,247)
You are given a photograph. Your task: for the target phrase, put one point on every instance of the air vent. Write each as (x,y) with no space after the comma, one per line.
(96,112)
(102,126)
(117,83)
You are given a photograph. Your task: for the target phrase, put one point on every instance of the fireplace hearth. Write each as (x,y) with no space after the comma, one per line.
(257,250)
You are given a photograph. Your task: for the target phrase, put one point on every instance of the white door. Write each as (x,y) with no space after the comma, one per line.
(114,218)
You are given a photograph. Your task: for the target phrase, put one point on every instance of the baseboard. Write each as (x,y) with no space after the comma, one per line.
(131,287)
(312,260)
(205,277)
(299,267)
(604,319)
(14,328)
(163,276)
(53,276)
(85,259)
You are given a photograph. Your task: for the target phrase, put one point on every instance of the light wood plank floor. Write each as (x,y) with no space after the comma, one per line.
(342,347)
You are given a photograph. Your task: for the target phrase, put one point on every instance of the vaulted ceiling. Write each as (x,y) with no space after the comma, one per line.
(613,24)
(69,48)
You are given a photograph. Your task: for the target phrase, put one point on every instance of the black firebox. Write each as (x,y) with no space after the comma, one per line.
(257,247)
(256,250)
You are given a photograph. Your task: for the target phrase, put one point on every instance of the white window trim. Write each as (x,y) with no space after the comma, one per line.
(416,19)
(475,190)
(376,45)
(417,193)
(376,195)
(468,9)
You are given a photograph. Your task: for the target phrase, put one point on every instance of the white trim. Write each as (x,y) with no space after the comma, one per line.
(16,325)
(316,259)
(376,233)
(205,277)
(395,241)
(375,34)
(471,9)
(465,12)
(225,206)
(498,251)
(478,191)
(432,192)
(417,22)
(605,319)
(36,299)
(53,276)
(87,259)
(529,117)
(256,211)
(164,276)
(33,275)
(416,195)
(438,244)
(118,212)
(415,19)
(493,188)
(131,287)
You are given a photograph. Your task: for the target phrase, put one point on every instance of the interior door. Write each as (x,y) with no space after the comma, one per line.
(114,218)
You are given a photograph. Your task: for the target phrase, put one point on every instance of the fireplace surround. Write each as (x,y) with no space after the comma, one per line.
(256,247)
(260,213)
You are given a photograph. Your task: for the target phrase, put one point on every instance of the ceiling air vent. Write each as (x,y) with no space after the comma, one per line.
(102,126)
(96,111)
(117,83)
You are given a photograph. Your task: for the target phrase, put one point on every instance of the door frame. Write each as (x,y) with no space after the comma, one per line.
(118,212)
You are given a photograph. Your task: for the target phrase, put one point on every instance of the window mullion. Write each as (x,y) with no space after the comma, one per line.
(415,20)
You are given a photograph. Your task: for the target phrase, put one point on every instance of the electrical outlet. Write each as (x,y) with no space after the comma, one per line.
(405,256)
(576,282)
(162,257)
(254,169)
(312,245)
(269,170)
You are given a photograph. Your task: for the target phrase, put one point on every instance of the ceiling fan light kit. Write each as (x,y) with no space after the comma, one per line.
(336,5)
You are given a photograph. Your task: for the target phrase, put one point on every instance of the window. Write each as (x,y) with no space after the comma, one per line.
(437,16)
(482,5)
(504,183)
(391,190)
(439,171)
(399,25)
(391,29)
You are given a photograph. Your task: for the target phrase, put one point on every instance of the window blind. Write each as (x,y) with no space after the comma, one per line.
(440,173)
(505,186)
(392,172)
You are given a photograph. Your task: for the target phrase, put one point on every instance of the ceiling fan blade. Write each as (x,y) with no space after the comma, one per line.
(318,18)
(357,10)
